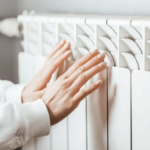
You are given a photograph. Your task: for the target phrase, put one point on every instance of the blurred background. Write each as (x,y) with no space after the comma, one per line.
(9,47)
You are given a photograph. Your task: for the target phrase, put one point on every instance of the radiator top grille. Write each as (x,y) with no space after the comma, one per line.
(125,39)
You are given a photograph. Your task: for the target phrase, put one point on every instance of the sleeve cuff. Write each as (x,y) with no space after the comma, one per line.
(36,119)
(4,85)
(13,93)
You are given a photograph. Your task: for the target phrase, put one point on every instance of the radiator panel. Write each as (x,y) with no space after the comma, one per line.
(109,118)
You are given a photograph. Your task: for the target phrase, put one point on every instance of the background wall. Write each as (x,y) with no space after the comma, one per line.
(7,9)
(118,7)
(9,47)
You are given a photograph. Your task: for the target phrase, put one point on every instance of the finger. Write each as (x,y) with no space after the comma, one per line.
(52,66)
(43,77)
(56,48)
(84,77)
(94,61)
(80,62)
(62,50)
(86,91)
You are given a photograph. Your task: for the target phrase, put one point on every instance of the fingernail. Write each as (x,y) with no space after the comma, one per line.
(67,43)
(62,41)
(99,82)
(101,55)
(93,51)
(103,64)
(67,52)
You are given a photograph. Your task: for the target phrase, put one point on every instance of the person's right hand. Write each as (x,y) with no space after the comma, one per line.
(65,94)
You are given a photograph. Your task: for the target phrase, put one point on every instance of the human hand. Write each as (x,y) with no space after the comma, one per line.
(65,94)
(37,87)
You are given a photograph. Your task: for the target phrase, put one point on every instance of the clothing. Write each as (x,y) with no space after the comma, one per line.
(19,122)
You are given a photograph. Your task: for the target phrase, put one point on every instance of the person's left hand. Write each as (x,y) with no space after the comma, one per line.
(37,87)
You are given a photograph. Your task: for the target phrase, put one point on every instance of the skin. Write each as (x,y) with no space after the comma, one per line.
(37,87)
(64,95)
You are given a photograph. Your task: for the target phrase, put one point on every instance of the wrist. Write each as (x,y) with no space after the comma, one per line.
(24,95)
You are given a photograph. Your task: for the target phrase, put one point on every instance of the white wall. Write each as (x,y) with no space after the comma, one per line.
(7,9)
(118,7)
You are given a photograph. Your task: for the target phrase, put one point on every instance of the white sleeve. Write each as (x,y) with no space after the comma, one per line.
(10,91)
(13,93)
(20,122)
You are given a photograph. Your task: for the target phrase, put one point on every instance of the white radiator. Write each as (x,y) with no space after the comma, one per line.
(117,115)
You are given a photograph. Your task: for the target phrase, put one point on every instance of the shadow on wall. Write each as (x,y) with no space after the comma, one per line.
(6,65)
(9,49)
(7,52)
(18,149)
